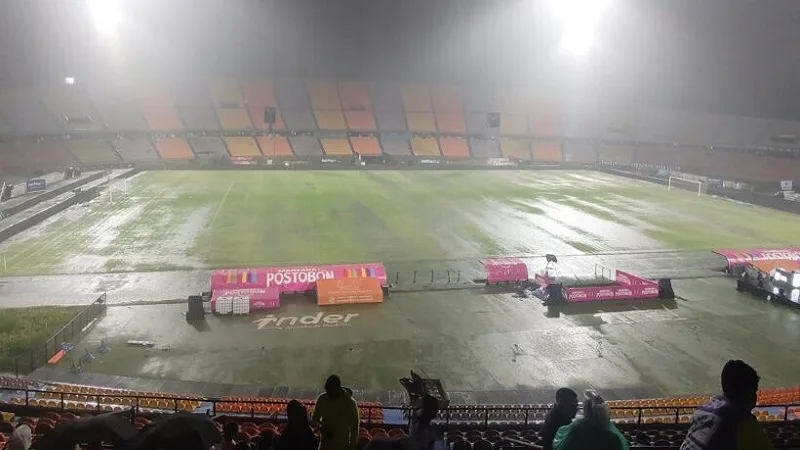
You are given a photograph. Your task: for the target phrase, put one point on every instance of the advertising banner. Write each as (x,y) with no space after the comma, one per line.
(741,257)
(601,293)
(35,185)
(500,162)
(345,291)
(257,298)
(244,161)
(293,278)
(505,270)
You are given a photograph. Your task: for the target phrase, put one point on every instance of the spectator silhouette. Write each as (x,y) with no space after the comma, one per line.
(562,413)
(266,440)
(422,435)
(336,416)
(21,438)
(298,434)
(594,431)
(229,432)
(726,421)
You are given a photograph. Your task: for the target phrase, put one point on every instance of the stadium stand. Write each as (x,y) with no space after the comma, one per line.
(158,108)
(72,108)
(421,122)
(25,113)
(454,147)
(580,119)
(194,105)
(46,154)
(92,151)
(544,118)
(448,110)
(305,145)
(621,154)
(511,106)
(425,146)
(242,146)
(294,105)
(366,146)
(330,120)
(136,149)
(657,126)
(354,96)
(391,120)
(416,98)
(780,133)
(387,104)
(617,122)
(547,151)
(697,129)
(229,105)
(477,124)
(274,146)
(324,97)
(741,132)
(174,148)
(360,120)
(578,151)
(208,147)
(484,148)
(336,147)
(117,106)
(516,148)
(395,145)
(260,95)
(11,160)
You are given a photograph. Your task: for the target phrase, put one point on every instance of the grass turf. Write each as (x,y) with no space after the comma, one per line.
(22,329)
(196,219)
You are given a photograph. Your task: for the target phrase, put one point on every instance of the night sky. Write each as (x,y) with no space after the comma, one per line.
(728,56)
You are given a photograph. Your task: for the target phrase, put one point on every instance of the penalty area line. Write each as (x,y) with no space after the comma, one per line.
(221,203)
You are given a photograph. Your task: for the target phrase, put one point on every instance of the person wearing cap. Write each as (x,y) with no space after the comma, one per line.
(562,413)
(726,421)
(336,417)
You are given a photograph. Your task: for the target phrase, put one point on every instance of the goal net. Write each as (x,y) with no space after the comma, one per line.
(116,190)
(696,186)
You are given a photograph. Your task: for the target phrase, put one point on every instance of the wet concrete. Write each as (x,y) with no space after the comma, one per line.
(466,338)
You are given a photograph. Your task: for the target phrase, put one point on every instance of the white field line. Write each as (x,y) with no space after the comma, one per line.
(224,197)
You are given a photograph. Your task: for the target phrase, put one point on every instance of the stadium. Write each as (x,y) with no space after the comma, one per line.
(212,215)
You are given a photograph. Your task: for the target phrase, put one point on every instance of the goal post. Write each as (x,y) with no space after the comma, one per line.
(697,186)
(117,189)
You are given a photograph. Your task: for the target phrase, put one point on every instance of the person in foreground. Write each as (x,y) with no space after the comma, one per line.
(726,421)
(562,413)
(336,417)
(594,431)
(422,434)
(298,434)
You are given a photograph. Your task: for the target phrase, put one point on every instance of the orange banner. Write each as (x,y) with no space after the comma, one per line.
(343,291)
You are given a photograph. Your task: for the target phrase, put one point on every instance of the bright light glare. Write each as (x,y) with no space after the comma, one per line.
(69,80)
(580,19)
(106,16)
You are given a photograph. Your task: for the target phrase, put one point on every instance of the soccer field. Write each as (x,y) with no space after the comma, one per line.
(205,219)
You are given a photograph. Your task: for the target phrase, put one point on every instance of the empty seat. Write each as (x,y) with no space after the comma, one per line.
(138,149)
(354,96)
(92,151)
(454,147)
(425,146)
(336,147)
(260,95)
(242,146)
(484,148)
(360,120)
(158,108)
(330,120)
(422,122)
(516,148)
(174,148)
(324,96)
(274,146)
(548,151)
(367,146)
(306,145)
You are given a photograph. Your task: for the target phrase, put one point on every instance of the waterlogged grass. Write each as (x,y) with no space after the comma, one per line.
(23,328)
(176,220)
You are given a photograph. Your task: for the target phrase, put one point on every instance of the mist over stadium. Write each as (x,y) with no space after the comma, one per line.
(209,207)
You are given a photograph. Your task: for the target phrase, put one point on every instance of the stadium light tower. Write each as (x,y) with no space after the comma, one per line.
(580,20)
(106,16)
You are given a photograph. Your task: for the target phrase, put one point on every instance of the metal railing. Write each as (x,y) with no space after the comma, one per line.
(70,332)
(475,415)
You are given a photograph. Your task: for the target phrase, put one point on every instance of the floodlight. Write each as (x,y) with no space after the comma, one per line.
(106,15)
(69,80)
(577,40)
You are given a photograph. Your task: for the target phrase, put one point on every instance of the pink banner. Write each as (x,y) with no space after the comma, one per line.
(629,279)
(604,293)
(293,279)
(744,256)
(505,270)
(259,298)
